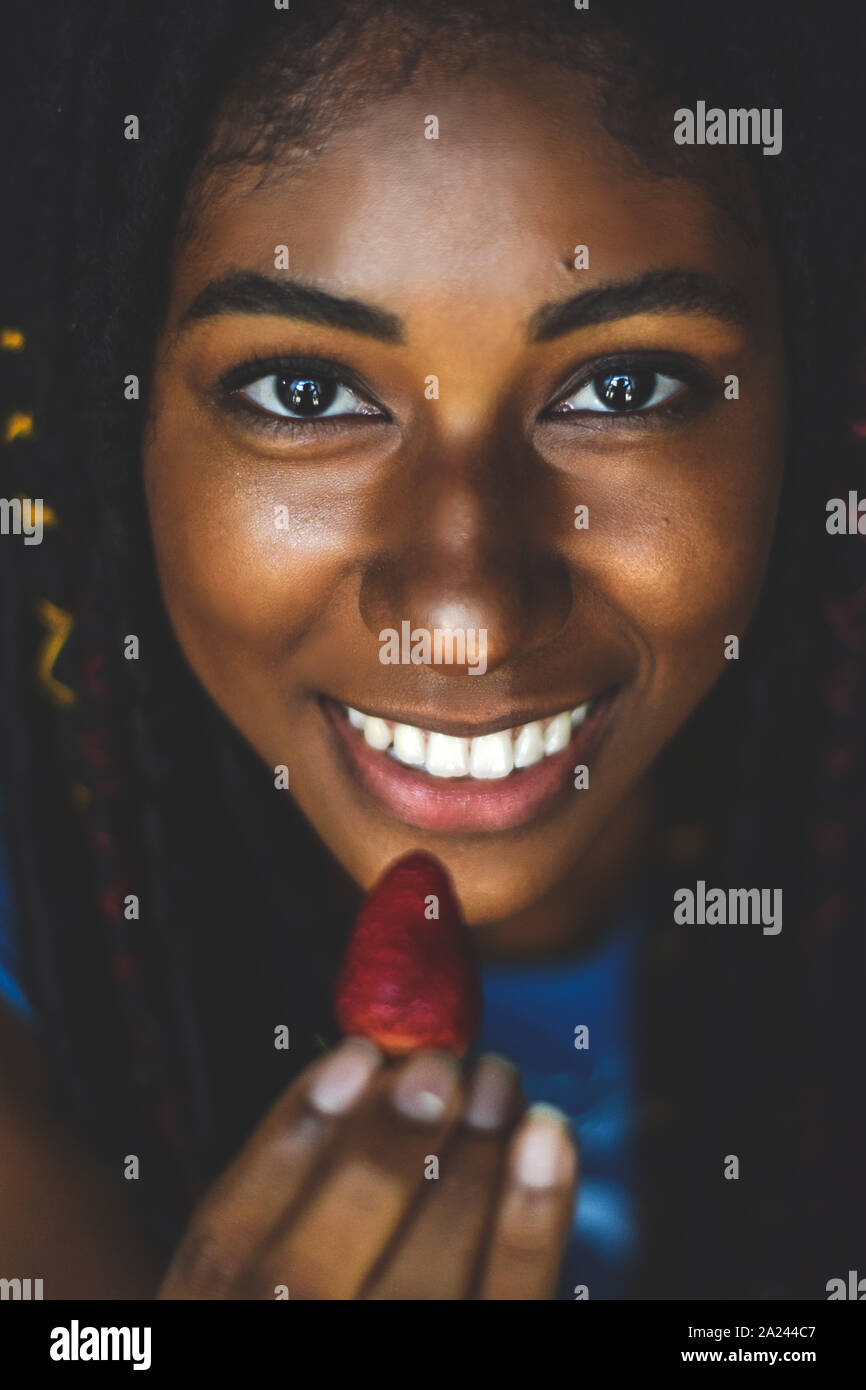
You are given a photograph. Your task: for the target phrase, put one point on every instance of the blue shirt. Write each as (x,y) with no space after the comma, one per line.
(568,1028)
(10,990)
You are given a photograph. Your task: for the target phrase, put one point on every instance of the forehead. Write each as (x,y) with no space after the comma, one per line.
(521,171)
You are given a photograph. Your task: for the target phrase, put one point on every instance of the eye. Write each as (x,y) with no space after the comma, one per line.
(621,391)
(303,395)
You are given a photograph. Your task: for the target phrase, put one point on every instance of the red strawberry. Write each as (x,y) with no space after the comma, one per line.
(410,977)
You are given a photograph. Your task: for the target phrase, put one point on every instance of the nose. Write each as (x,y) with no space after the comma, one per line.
(467,543)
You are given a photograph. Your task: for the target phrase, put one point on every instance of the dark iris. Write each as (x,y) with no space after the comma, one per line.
(625,390)
(306,395)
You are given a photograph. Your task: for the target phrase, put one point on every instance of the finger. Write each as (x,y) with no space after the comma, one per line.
(239,1213)
(436,1254)
(535,1210)
(330,1245)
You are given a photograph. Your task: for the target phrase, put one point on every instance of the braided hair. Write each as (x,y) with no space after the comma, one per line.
(165,929)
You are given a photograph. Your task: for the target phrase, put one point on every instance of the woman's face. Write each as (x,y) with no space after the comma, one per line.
(438,417)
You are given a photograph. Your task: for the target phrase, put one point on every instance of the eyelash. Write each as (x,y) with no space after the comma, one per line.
(695,379)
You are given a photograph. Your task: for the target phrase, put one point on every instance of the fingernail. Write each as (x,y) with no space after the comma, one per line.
(425,1086)
(491,1092)
(343,1076)
(543,1154)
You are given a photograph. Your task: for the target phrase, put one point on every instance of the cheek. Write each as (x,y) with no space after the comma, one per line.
(246,562)
(678,543)
(687,564)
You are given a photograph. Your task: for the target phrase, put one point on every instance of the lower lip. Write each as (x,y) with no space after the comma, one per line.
(431,803)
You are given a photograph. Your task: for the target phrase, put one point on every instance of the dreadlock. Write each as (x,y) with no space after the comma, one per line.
(122,781)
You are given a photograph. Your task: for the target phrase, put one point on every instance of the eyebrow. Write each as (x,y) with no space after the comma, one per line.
(659,291)
(248,292)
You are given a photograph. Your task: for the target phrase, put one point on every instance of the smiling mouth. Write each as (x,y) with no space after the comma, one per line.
(451,781)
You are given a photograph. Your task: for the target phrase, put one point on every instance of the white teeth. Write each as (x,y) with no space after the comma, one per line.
(446,756)
(578,715)
(557,735)
(529,747)
(487,758)
(376,732)
(409,746)
(491,755)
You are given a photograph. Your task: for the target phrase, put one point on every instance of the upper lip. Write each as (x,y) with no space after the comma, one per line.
(469,728)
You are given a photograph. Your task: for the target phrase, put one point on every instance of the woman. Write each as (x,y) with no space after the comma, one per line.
(372,315)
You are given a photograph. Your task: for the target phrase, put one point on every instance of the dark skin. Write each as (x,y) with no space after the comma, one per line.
(419,508)
(467,502)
